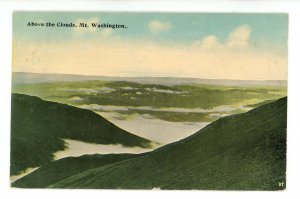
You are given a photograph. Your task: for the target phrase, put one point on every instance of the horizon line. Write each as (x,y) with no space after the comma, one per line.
(150,76)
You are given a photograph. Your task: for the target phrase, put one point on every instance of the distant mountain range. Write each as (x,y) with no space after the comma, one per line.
(22,78)
(239,152)
(38,127)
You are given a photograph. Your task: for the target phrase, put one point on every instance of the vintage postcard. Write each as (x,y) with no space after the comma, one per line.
(172,101)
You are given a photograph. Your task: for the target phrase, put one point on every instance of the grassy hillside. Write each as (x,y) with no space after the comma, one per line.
(66,167)
(38,126)
(240,152)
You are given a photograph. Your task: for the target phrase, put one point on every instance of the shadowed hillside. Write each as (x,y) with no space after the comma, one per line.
(240,152)
(38,126)
(66,167)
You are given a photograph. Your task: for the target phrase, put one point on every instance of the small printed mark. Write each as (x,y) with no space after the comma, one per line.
(280,184)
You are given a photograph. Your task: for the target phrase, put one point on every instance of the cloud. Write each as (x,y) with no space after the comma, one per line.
(239,37)
(209,42)
(157,27)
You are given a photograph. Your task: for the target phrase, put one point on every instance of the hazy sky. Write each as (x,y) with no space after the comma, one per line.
(222,46)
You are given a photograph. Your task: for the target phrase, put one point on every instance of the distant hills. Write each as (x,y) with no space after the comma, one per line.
(239,152)
(23,78)
(38,127)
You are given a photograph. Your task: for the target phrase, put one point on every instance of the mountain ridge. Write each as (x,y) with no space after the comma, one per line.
(245,151)
(221,156)
(27,77)
(39,126)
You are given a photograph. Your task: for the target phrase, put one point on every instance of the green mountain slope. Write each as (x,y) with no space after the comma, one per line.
(66,167)
(37,127)
(239,152)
